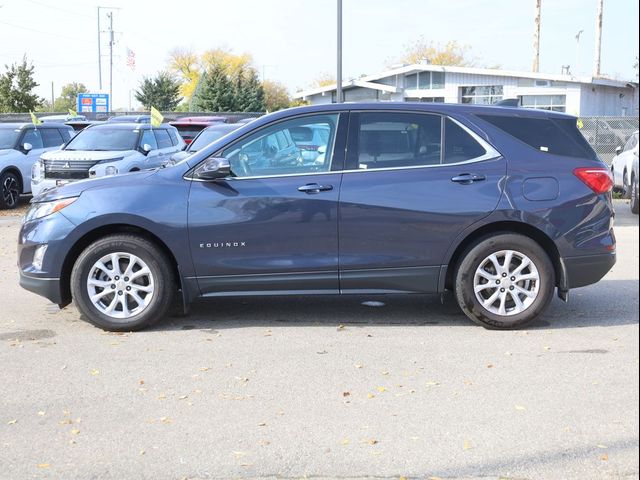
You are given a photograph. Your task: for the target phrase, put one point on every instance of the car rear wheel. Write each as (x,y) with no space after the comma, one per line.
(634,196)
(122,283)
(11,188)
(626,188)
(504,281)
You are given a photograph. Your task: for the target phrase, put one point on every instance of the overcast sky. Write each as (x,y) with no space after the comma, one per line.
(293,40)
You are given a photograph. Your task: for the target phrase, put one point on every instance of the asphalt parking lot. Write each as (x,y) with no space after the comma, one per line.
(323,387)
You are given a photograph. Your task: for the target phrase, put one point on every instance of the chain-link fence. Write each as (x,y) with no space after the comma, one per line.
(605,134)
(230,117)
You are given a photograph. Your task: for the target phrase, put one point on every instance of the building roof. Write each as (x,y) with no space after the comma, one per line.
(368,81)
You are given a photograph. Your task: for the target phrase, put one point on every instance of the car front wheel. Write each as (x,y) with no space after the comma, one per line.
(504,281)
(122,283)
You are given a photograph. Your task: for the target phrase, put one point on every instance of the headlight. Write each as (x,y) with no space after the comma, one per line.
(111,170)
(39,210)
(36,172)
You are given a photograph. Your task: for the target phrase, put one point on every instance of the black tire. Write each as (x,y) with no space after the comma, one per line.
(161,272)
(10,190)
(476,254)
(626,188)
(634,196)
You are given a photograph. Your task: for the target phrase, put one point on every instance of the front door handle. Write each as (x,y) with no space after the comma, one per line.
(468,178)
(314,188)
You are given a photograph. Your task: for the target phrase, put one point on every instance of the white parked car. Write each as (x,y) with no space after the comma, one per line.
(21,144)
(622,164)
(106,149)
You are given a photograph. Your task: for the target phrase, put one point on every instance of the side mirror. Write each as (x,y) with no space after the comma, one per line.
(27,147)
(618,150)
(322,149)
(213,168)
(146,148)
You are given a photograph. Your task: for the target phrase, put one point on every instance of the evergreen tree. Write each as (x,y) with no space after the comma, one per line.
(252,93)
(161,92)
(216,92)
(16,88)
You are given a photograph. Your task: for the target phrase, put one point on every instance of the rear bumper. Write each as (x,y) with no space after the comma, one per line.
(46,287)
(587,269)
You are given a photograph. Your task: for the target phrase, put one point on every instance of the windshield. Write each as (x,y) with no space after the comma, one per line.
(105,139)
(207,137)
(8,137)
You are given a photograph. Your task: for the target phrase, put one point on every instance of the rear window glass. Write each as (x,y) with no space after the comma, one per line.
(555,136)
(459,146)
(162,136)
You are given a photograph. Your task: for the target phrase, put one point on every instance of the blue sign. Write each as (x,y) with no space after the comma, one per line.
(93,102)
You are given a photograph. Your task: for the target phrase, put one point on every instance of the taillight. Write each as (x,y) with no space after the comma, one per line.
(597,179)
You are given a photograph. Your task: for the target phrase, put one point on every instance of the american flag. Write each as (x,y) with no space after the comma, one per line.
(131,59)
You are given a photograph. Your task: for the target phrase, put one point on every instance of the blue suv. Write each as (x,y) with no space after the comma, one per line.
(503,206)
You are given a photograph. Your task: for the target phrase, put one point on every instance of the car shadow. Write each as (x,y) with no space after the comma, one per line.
(608,303)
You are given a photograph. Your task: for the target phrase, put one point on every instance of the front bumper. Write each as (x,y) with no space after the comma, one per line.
(46,287)
(585,270)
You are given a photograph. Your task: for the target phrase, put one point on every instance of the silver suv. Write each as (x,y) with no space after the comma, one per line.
(21,144)
(106,149)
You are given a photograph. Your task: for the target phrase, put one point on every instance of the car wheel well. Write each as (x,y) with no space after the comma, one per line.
(17,173)
(134,169)
(506,227)
(92,236)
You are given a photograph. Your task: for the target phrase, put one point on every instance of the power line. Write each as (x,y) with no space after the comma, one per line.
(69,12)
(84,40)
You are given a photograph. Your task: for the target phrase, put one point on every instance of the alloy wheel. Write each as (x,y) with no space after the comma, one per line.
(506,283)
(120,285)
(10,191)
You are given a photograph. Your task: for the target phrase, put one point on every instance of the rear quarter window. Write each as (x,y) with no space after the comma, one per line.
(551,135)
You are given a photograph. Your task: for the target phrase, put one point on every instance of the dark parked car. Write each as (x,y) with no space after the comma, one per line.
(204,138)
(502,206)
(189,127)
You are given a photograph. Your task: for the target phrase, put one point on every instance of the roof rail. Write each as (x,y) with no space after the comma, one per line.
(508,102)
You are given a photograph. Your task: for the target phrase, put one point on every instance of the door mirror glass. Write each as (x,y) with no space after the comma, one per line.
(213,168)
(146,148)
(27,147)
(618,150)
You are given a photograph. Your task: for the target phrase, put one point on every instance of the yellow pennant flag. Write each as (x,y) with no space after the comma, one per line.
(579,123)
(35,120)
(156,117)
(73,113)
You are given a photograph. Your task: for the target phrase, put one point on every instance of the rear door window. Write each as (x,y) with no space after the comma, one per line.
(556,136)
(163,139)
(174,136)
(459,146)
(51,137)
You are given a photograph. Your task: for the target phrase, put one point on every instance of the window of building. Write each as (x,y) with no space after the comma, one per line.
(424,81)
(557,103)
(481,95)
(425,99)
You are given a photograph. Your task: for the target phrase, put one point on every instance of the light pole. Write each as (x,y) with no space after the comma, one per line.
(339,56)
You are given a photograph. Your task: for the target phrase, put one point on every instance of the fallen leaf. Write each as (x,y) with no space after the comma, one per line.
(602,446)
(205,369)
(262,424)
(267,333)
(372,442)
(604,458)
(340,327)
(165,419)
(345,441)
(520,407)
(67,421)
(12,422)
(264,443)
(141,382)
(75,431)
(370,395)
(162,396)
(547,348)
(432,384)
(95,372)
(239,454)
(43,465)
(467,445)
(490,365)
(142,452)
(346,394)
(381,389)
(384,372)
(358,365)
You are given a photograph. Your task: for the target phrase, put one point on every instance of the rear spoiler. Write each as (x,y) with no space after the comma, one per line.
(508,102)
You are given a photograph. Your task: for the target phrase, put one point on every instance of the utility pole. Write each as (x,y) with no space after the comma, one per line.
(110,16)
(577,71)
(339,56)
(535,67)
(99,55)
(596,58)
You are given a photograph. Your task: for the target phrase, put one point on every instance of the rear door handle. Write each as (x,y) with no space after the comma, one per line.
(468,178)
(314,188)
